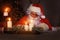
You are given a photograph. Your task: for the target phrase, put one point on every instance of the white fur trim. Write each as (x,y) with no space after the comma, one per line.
(54,29)
(44,26)
(43,17)
(34,9)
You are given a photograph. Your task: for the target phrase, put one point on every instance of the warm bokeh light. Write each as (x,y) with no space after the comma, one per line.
(7,9)
(9,19)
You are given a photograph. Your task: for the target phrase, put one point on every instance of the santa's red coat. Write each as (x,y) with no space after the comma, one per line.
(24,19)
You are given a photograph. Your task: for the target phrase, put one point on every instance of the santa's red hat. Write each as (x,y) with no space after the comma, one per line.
(38,8)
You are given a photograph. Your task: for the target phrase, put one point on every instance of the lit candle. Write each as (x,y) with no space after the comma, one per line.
(5,14)
(6,10)
(31,25)
(26,27)
(9,23)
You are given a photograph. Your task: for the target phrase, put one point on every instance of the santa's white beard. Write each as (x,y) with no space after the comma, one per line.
(36,21)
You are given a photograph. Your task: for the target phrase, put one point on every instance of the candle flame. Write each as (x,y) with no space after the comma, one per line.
(9,19)
(7,9)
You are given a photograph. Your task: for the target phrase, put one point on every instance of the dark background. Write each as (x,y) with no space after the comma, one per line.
(51,7)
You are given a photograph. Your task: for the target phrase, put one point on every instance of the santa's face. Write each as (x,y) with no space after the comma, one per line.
(33,14)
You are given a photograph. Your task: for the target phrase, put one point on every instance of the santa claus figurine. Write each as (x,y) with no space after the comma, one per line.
(35,17)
